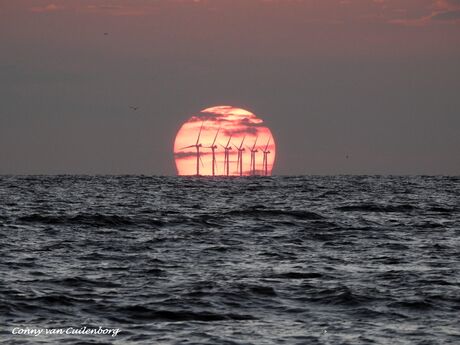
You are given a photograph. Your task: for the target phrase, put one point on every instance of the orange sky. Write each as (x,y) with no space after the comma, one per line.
(229,121)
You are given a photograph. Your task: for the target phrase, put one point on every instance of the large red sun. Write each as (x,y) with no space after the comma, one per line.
(224,141)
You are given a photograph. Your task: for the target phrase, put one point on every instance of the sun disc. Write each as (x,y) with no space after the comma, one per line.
(224,141)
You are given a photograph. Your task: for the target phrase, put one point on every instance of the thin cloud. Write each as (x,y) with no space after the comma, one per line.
(118,10)
(240,131)
(441,11)
(447,16)
(190,154)
(206,117)
(47,8)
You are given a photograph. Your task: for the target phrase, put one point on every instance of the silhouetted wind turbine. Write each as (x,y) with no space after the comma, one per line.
(239,164)
(266,153)
(253,157)
(227,149)
(213,147)
(197,146)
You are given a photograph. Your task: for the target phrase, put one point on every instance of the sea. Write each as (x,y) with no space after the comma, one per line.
(251,260)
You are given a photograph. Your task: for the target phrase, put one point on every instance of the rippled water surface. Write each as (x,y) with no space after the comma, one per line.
(282,260)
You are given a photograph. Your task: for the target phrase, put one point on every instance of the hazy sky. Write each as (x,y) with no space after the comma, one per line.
(377,80)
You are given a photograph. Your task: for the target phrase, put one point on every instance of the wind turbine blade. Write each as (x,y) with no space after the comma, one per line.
(215,137)
(202,164)
(242,141)
(222,146)
(229,140)
(255,143)
(186,147)
(199,133)
(236,147)
(248,148)
(268,142)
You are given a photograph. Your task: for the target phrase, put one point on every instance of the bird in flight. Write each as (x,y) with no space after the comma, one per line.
(134,108)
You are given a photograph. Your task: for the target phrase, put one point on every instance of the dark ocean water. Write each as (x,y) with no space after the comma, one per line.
(282,260)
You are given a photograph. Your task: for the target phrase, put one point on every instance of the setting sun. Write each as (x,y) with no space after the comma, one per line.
(224,141)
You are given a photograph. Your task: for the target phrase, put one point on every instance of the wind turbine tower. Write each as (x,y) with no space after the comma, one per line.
(227,149)
(253,157)
(239,164)
(213,147)
(197,146)
(265,161)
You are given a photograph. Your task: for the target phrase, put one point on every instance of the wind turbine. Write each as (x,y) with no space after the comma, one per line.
(253,157)
(266,153)
(227,149)
(239,164)
(197,146)
(213,147)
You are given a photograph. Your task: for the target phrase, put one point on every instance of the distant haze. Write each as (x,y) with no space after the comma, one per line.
(347,87)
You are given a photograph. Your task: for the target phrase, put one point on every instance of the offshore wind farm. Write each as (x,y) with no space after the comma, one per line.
(211,143)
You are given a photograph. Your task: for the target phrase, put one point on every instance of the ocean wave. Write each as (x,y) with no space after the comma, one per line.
(78,281)
(264,212)
(297,275)
(339,296)
(377,208)
(88,219)
(139,312)
(412,305)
